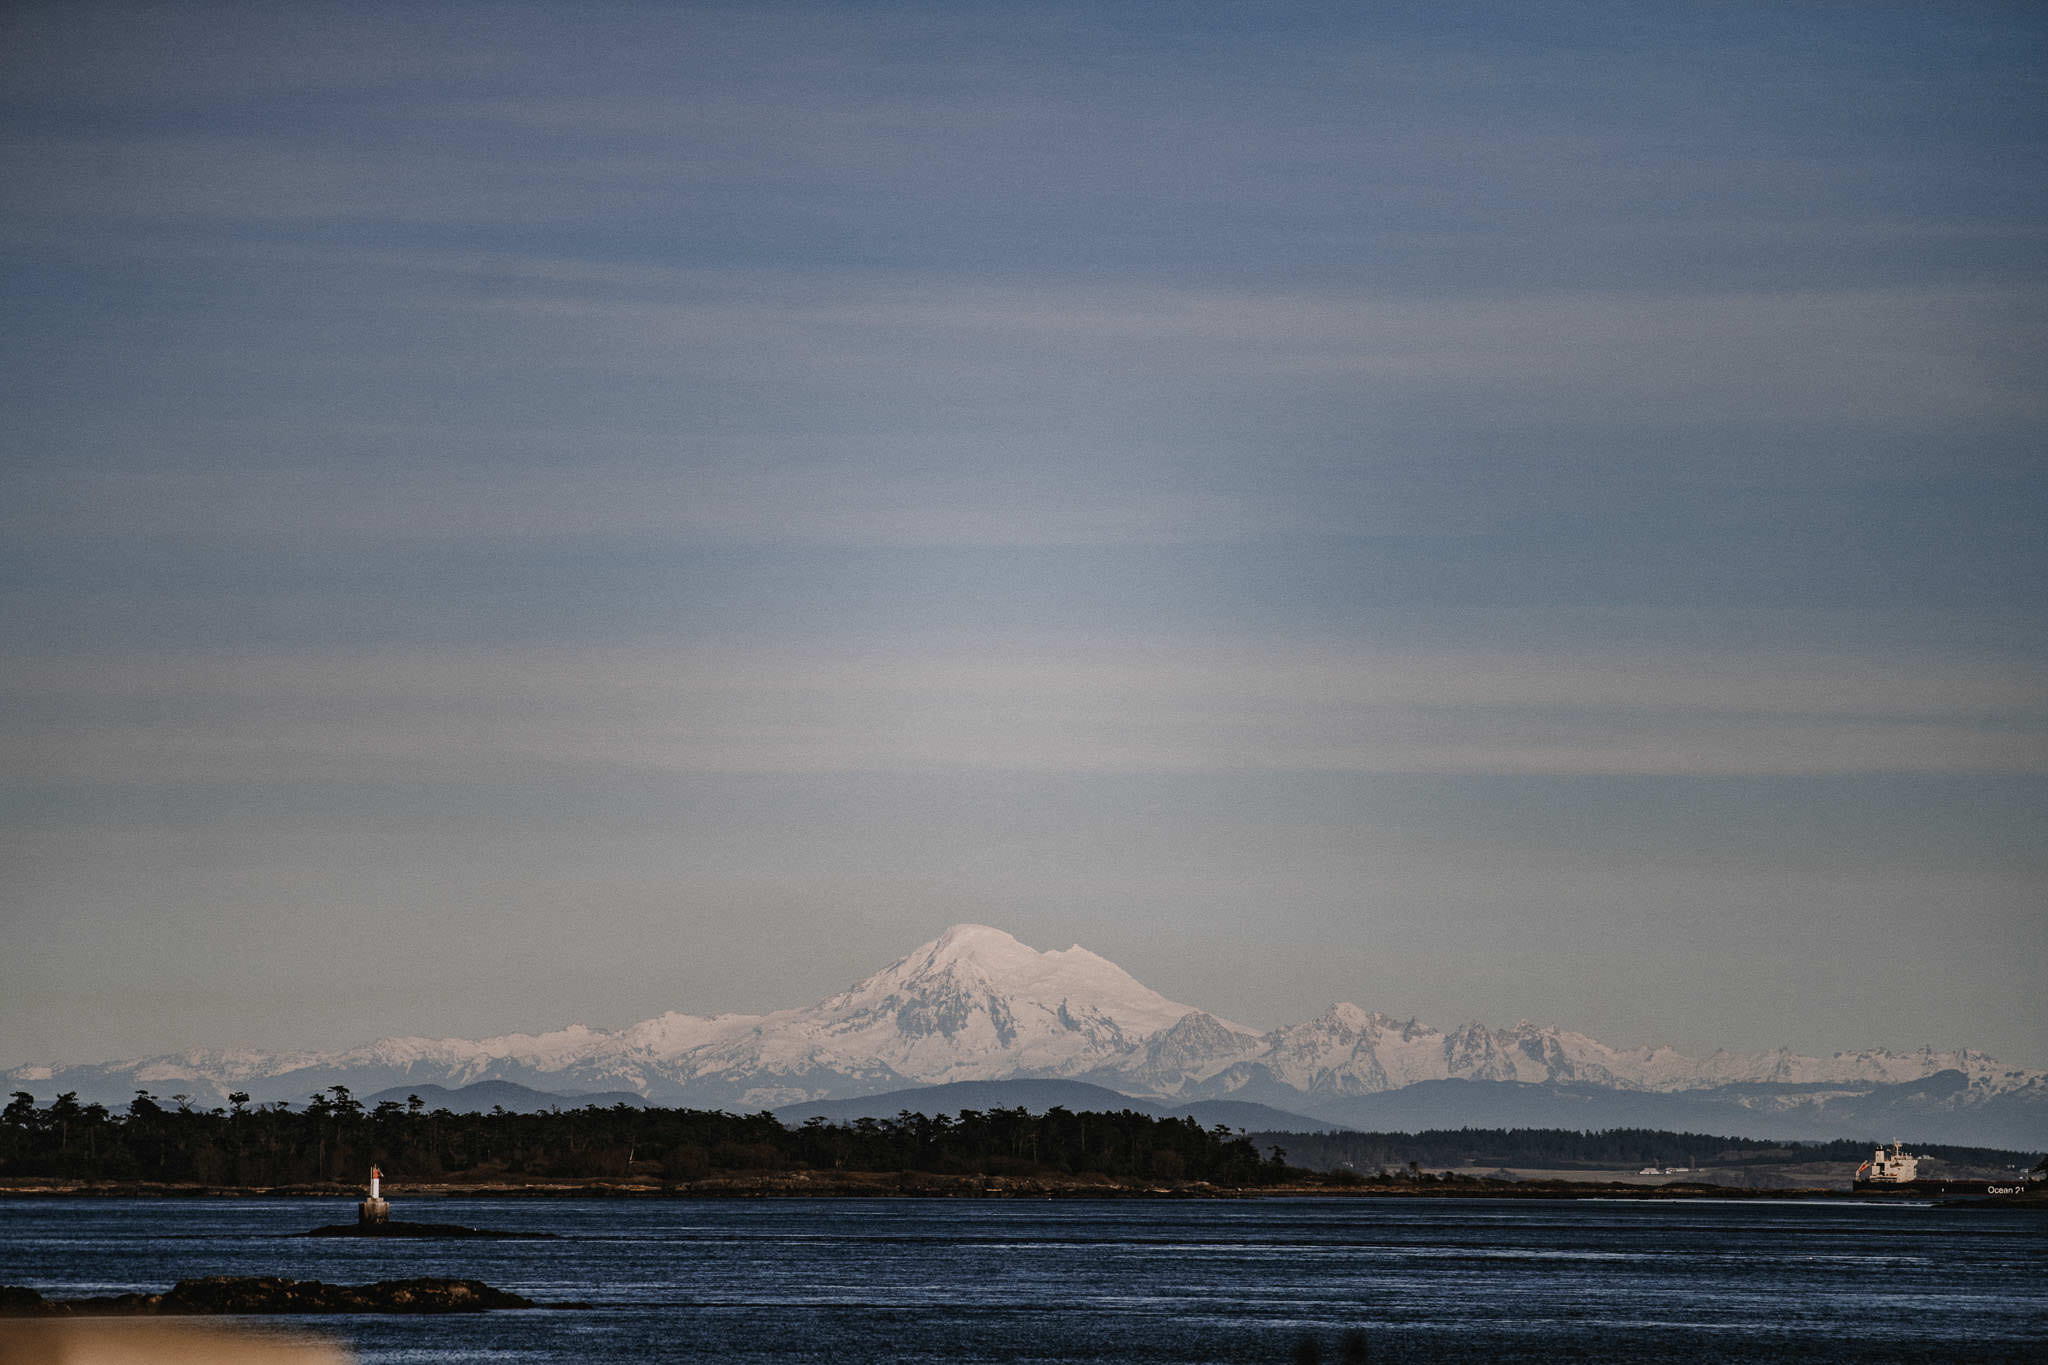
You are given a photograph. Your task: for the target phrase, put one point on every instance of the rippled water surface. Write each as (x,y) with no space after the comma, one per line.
(1238,1281)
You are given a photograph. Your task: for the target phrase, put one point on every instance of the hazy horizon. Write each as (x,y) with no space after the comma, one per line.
(520,516)
(1699,1048)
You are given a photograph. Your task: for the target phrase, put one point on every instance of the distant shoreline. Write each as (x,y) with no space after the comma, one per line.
(892,1185)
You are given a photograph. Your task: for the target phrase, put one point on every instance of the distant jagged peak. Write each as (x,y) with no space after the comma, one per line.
(671,1034)
(1197,1043)
(1204,1025)
(569,1035)
(1525,1028)
(1345,1017)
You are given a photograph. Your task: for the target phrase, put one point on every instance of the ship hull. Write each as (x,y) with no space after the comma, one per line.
(1938,1187)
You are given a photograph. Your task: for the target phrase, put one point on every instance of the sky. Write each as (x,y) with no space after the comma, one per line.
(520,514)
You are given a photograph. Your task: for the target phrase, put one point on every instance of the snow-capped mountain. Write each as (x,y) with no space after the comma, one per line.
(977,1005)
(1348,1051)
(972,1005)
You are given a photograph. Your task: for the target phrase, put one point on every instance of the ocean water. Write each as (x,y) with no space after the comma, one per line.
(1115,1280)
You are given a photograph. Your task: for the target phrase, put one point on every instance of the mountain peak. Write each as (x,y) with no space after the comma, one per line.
(988,958)
(976,1000)
(974,941)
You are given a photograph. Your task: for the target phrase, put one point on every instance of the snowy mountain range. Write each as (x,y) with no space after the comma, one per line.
(977,1005)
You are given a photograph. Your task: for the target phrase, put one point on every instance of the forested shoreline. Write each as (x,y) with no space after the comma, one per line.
(334,1138)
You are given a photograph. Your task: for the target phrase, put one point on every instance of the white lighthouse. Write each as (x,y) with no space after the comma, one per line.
(376,1209)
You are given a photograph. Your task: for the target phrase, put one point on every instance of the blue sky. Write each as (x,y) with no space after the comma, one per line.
(1481,511)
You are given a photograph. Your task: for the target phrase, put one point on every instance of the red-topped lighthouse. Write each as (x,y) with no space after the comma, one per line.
(376,1209)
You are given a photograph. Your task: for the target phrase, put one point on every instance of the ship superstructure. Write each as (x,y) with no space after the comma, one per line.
(1893,1166)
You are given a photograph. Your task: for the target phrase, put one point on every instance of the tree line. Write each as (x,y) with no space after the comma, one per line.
(334,1137)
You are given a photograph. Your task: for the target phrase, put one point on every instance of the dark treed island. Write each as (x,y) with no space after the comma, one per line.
(324,1146)
(334,1137)
(254,1294)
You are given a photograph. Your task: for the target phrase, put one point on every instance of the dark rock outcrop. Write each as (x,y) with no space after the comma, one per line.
(242,1294)
(414,1230)
(16,1302)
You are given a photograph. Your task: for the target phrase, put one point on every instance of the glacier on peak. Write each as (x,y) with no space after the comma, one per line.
(973,1004)
(977,957)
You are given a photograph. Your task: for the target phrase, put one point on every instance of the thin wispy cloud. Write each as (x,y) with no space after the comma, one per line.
(1081,706)
(858,468)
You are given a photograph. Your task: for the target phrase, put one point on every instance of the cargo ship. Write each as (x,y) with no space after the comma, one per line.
(1895,1170)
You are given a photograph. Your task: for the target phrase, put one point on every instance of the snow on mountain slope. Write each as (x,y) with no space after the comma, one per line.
(976,1005)
(1876,1066)
(1347,1051)
(668,1036)
(1196,1047)
(975,992)
(973,1004)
